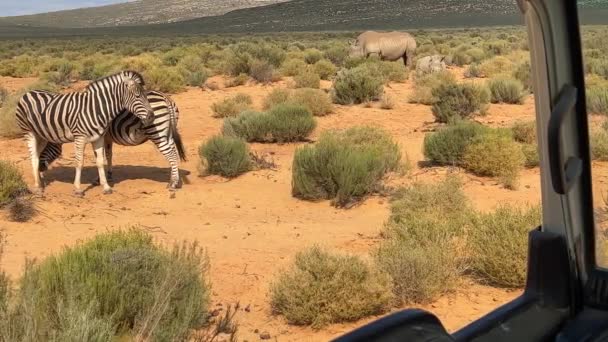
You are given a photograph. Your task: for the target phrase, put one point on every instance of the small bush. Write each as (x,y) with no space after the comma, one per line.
(354,86)
(237,81)
(8,121)
(506,90)
(315,100)
(420,251)
(325,69)
(116,283)
(496,66)
(307,79)
(167,80)
(597,100)
(448,145)
(337,54)
(276,97)
(457,101)
(21,209)
(387,102)
(473,71)
(524,132)
(460,58)
(423,91)
(11,183)
(61,75)
(599,145)
(344,167)
(262,71)
(232,106)
(499,245)
(4,94)
(226,156)
(523,73)
(283,123)
(530,151)
(323,288)
(495,154)
(312,56)
(477,55)
(292,67)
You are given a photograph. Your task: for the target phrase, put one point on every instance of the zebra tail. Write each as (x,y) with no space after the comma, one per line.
(177,138)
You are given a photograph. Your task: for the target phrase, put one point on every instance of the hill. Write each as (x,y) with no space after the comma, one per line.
(138,12)
(336,15)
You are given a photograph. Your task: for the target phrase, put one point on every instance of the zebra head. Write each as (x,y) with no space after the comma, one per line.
(136,97)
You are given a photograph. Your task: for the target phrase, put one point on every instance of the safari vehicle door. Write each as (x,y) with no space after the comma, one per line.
(566,293)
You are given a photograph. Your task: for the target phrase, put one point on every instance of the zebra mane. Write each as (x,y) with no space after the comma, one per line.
(134,75)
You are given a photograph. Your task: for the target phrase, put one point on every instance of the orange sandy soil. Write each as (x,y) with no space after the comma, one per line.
(251,225)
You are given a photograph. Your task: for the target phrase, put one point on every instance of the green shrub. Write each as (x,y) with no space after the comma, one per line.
(523,73)
(344,166)
(354,86)
(293,66)
(337,54)
(325,69)
(307,79)
(315,100)
(387,71)
(283,123)
(4,95)
(237,81)
(457,101)
(262,71)
(225,156)
(524,132)
(597,100)
(597,66)
(323,288)
(423,91)
(236,64)
(497,47)
(62,76)
(312,56)
(498,245)
(232,106)
(420,250)
(142,63)
(196,78)
(477,55)
(530,151)
(116,283)
(277,96)
(473,71)
(496,66)
(448,145)
(167,80)
(8,122)
(506,90)
(461,58)
(11,183)
(495,154)
(599,145)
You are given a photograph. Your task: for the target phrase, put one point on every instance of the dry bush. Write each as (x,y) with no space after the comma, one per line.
(599,145)
(506,90)
(315,100)
(236,81)
(325,69)
(387,102)
(225,156)
(21,209)
(496,66)
(283,123)
(524,132)
(312,56)
(458,101)
(4,94)
(115,284)
(8,122)
(420,250)
(307,79)
(473,71)
(423,92)
(323,288)
(532,158)
(12,184)
(495,154)
(355,86)
(277,96)
(61,74)
(498,245)
(232,106)
(523,73)
(597,100)
(344,166)
(293,66)
(262,71)
(166,80)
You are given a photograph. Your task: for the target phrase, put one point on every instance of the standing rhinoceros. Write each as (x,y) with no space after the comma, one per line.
(387,45)
(430,64)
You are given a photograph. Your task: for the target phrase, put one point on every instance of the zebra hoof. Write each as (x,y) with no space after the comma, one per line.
(107,192)
(96,182)
(38,192)
(79,193)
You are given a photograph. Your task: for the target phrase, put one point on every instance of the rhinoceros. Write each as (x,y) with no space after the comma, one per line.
(430,64)
(388,46)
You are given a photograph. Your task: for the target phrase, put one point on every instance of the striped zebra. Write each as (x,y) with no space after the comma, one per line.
(128,130)
(80,117)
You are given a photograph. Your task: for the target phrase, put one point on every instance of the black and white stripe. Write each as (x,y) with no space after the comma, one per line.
(128,130)
(80,117)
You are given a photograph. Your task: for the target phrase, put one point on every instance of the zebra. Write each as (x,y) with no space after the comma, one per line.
(127,130)
(80,117)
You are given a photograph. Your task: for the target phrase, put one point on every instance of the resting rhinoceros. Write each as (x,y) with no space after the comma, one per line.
(430,64)
(387,45)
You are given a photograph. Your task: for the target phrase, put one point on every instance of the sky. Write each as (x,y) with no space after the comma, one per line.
(21,7)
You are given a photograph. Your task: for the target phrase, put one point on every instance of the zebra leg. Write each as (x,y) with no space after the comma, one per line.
(36,145)
(79,144)
(106,161)
(173,158)
(98,146)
